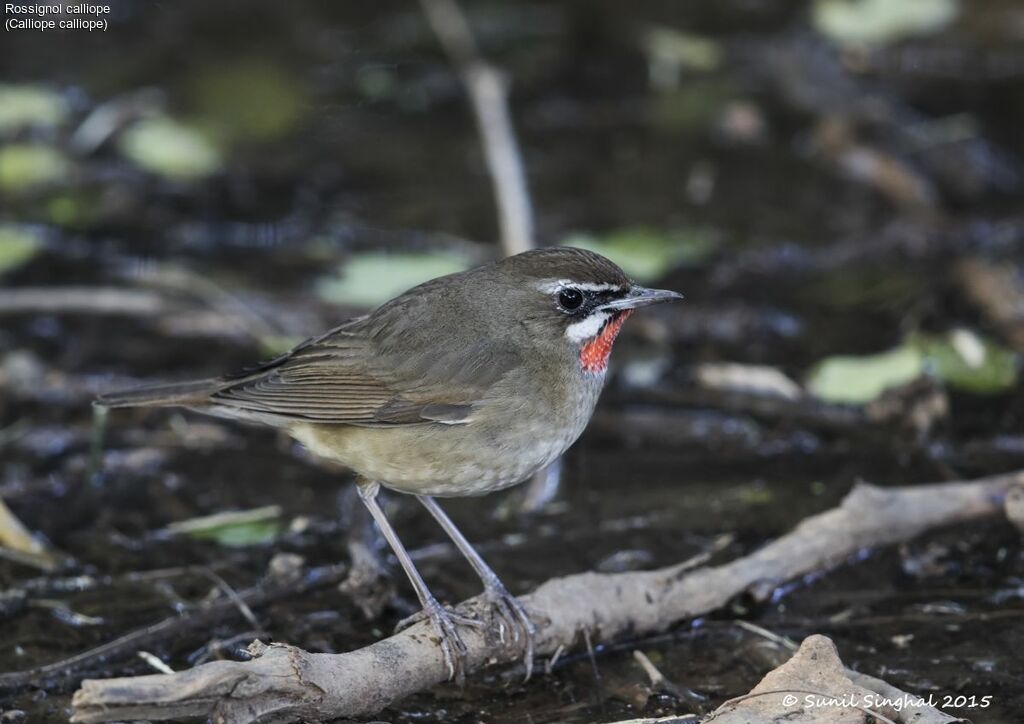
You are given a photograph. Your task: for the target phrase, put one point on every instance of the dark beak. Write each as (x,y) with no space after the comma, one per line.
(641,297)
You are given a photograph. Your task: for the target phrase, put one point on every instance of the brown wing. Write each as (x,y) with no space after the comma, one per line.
(372,371)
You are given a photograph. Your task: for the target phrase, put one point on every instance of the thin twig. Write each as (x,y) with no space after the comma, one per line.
(227,590)
(82,300)
(657,678)
(786,643)
(155,661)
(488,93)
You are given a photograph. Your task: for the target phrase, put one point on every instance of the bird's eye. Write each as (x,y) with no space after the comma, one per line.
(570,299)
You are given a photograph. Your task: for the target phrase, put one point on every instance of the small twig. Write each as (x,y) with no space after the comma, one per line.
(63,613)
(786,643)
(226,589)
(657,678)
(82,300)
(155,661)
(550,665)
(660,683)
(592,657)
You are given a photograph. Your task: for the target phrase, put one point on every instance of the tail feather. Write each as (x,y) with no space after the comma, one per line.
(171,394)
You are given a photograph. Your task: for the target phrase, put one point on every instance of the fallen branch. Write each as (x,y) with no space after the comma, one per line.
(284,683)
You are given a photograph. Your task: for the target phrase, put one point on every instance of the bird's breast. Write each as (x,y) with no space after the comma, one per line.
(511,434)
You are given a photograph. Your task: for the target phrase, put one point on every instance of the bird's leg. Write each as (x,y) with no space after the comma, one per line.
(443,621)
(508,608)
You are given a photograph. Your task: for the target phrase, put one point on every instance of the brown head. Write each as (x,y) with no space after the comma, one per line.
(572,298)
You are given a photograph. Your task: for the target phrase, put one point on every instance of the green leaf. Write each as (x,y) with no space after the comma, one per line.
(233,529)
(170,148)
(371,278)
(24,165)
(966,361)
(72,208)
(17,246)
(646,254)
(670,52)
(858,380)
(246,99)
(961,359)
(27,106)
(880,22)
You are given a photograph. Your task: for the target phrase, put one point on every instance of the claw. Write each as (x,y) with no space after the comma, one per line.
(423,615)
(445,622)
(510,613)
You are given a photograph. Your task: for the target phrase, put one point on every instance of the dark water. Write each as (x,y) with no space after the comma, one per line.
(361,139)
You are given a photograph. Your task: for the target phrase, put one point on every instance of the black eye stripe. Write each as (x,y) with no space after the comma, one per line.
(577,302)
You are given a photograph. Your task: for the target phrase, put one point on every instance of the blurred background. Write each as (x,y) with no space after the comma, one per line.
(836,186)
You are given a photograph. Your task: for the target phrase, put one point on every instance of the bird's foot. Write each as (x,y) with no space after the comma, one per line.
(444,622)
(513,620)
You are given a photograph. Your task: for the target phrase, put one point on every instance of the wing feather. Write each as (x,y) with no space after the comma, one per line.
(345,377)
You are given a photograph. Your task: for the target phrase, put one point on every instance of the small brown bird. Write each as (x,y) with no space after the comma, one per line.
(461,386)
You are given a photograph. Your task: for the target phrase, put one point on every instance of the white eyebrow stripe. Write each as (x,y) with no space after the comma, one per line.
(554,286)
(586,328)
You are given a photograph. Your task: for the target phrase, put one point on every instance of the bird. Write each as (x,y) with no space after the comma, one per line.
(464,385)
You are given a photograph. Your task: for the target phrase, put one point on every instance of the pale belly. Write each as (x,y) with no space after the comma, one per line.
(486,454)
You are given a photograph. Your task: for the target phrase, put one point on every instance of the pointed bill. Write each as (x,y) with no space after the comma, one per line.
(641,297)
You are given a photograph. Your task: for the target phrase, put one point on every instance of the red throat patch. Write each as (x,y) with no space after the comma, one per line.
(594,354)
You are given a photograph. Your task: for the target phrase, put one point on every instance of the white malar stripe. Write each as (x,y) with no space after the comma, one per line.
(551,286)
(586,328)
